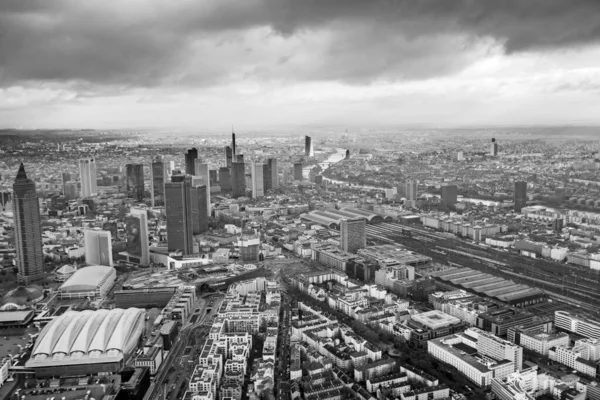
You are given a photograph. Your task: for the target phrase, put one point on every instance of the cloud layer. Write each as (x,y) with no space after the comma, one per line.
(66,51)
(149,42)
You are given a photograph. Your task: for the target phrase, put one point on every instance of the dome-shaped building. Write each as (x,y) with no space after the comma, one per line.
(64,273)
(21,298)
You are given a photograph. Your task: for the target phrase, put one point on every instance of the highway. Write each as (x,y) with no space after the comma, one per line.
(558,279)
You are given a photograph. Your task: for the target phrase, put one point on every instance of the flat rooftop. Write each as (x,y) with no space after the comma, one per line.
(7,317)
(435,319)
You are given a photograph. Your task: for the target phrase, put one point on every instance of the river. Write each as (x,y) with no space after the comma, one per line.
(336,157)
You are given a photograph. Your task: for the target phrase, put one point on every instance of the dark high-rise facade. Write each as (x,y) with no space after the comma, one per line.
(309,150)
(157,171)
(225,179)
(28,231)
(353,235)
(233,148)
(449,195)
(190,158)
(199,209)
(298,171)
(202,174)
(228,156)
(66,177)
(267,176)
(271,174)
(178,194)
(520,195)
(135,181)
(347,154)
(239,158)
(493,148)
(238,179)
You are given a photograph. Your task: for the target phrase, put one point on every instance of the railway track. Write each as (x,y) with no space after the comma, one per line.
(567,281)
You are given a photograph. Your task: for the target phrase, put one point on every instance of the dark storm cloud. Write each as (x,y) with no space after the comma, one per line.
(150,43)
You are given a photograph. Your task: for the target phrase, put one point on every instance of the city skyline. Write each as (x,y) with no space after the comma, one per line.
(476,252)
(264,64)
(300,200)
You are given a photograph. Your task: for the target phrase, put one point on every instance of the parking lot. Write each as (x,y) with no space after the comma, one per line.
(14,344)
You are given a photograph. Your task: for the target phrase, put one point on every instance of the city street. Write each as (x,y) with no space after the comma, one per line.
(170,378)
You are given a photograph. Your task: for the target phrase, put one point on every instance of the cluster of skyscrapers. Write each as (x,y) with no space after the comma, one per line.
(184,194)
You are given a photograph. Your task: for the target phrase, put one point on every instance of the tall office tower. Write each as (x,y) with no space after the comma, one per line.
(98,247)
(493,148)
(202,171)
(71,190)
(258,183)
(449,195)
(135,181)
(353,234)
(309,150)
(298,171)
(238,180)
(411,189)
(87,173)
(520,195)
(347,154)
(560,193)
(136,226)
(225,179)
(233,148)
(274,173)
(190,158)
(157,182)
(66,177)
(178,200)
(199,206)
(460,156)
(28,231)
(267,176)
(228,156)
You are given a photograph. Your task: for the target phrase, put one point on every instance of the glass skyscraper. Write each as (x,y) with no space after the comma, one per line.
(178,194)
(135,181)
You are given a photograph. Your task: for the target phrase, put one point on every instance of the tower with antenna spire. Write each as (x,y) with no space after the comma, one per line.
(233,148)
(28,231)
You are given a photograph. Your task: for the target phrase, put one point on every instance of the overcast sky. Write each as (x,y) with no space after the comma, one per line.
(274,63)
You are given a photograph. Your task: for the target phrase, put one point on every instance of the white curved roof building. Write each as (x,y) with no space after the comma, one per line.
(94,281)
(64,273)
(87,341)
